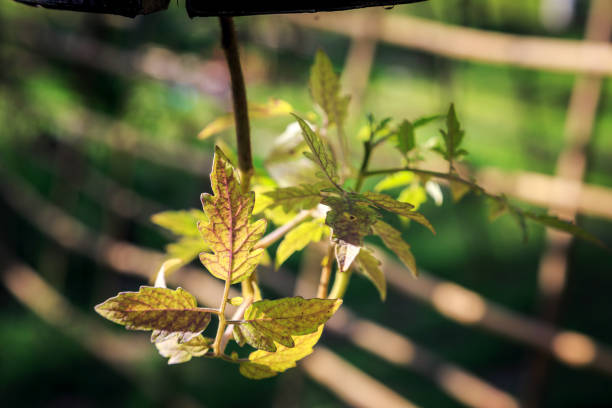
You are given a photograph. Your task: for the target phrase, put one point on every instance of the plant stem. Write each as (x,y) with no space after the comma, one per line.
(222,322)
(238,315)
(367,152)
(239,100)
(340,284)
(326,273)
(282,230)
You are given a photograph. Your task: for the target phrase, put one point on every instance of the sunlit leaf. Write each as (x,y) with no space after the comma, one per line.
(265,364)
(299,237)
(393,240)
(345,255)
(186,249)
(182,352)
(415,195)
(320,152)
(182,222)
(303,197)
(349,220)
(270,321)
(325,90)
(388,203)
(229,232)
(164,310)
(369,267)
(274,107)
(401,178)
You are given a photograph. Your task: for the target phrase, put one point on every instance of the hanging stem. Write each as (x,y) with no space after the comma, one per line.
(243,141)
(340,284)
(326,273)
(239,100)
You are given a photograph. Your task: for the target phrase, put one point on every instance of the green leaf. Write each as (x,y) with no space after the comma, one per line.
(182,352)
(345,255)
(415,195)
(303,197)
(393,240)
(230,233)
(274,107)
(182,222)
(270,321)
(369,266)
(453,136)
(405,137)
(388,203)
(265,364)
(563,225)
(497,208)
(320,152)
(186,249)
(458,190)
(426,119)
(325,90)
(164,310)
(298,238)
(401,178)
(349,220)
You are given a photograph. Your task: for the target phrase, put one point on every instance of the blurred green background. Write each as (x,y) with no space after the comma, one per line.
(92,104)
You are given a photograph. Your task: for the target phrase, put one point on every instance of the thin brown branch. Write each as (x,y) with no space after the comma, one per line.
(239,100)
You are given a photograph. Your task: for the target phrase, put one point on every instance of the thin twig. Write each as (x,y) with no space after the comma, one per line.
(326,273)
(282,230)
(238,315)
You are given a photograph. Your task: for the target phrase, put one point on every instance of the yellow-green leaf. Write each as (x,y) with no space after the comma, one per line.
(229,232)
(393,240)
(497,208)
(270,321)
(415,195)
(349,220)
(303,197)
(265,364)
(182,352)
(182,222)
(186,249)
(325,90)
(369,267)
(274,107)
(320,152)
(388,203)
(458,190)
(299,237)
(394,180)
(164,310)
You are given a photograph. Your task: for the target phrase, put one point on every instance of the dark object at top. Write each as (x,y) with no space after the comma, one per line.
(203,8)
